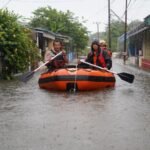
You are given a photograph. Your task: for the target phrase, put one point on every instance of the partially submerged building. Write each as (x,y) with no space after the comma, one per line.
(44,39)
(138,44)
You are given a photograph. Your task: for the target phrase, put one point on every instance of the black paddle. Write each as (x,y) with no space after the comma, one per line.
(27,76)
(124,76)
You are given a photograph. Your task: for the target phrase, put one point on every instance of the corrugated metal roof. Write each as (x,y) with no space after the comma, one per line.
(138,31)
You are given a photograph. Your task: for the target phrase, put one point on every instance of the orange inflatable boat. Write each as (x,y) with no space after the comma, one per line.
(78,79)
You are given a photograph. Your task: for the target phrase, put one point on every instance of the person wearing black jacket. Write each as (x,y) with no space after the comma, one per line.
(98,57)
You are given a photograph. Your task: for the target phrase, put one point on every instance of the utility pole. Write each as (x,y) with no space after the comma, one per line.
(125,33)
(109,28)
(97,24)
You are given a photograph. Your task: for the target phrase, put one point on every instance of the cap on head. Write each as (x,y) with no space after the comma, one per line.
(103,43)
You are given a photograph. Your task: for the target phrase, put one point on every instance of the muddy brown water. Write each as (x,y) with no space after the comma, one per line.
(110,119)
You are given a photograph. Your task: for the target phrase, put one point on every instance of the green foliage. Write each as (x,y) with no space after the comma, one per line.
(61,22)
(117,29)
(134,24)
(15,43)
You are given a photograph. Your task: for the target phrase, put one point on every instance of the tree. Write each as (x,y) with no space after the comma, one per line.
(64,23)
(117,29)
(133,24)
(93,36)
(16,45)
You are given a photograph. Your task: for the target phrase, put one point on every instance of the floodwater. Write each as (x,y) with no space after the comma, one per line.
(110,119)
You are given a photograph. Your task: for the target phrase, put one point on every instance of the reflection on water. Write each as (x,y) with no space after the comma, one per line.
(115,118)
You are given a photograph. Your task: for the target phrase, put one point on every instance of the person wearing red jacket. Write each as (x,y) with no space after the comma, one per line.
(98,57)
(103,46)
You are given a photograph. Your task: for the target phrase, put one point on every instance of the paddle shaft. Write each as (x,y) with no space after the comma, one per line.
(98,67)
(124,76)
(30,74)
(47,62)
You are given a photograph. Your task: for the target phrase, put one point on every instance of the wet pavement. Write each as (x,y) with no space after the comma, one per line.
(110,119)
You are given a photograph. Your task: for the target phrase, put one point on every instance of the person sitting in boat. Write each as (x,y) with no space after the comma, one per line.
(103,46)
(60,61)
(98,57)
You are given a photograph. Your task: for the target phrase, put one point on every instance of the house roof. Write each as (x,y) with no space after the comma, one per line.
(135,31)
(49,34)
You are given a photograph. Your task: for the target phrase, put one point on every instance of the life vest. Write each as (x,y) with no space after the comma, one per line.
(58,62)
(100,60)
(108,51)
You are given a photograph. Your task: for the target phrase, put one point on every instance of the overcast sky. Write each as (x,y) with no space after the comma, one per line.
(92,10)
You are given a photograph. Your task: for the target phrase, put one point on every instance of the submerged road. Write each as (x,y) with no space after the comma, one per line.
(109,119)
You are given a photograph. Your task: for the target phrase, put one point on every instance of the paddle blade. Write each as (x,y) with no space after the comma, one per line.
(27,76)
(126,77)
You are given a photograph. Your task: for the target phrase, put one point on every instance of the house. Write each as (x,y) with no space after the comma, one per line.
(44,39)
(138,44)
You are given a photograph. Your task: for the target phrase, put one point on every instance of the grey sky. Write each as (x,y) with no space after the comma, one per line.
(91,10)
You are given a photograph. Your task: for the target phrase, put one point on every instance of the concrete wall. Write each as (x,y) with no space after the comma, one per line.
(146,45)
(146,50)
(50,44)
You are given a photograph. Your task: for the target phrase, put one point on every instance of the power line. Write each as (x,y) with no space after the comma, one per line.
(112,1)
(129,4)
(127,8)
(121,18)
(139,6)
(116,15)
(133,3)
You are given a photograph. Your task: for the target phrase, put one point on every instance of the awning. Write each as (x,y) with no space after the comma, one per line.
(49,36)
(138,31)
